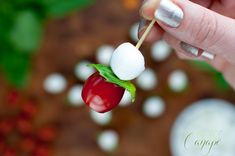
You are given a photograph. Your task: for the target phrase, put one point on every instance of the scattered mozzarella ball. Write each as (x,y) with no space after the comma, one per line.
(160,50)
(154,107)
(127,62)
(101,118)
(108,140)
(55,83)
(74,95)
(104,54)
(134,32)
(126,99)
(82,71)
(147,80)
(178,81)
(205,122)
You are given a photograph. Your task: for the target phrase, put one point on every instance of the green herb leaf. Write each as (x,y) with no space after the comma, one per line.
(221,83)
(204,66)
(108,74)
(16,67)
(27,32)
(21,31)
(60,8)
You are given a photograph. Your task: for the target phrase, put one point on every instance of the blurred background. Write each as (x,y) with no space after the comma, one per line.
(45,46)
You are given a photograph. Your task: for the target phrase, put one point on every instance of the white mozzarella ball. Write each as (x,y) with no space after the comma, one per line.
(154,107)
(127,62)
(74,95)
(55,83)
(104,54)
(147,80)
(108,140)
(101,118)
(82,71)
(126,99)
(178,81)
(160,50)
(201,125)
(134,32)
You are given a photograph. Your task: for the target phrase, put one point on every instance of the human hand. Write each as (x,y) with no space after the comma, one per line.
(201,29)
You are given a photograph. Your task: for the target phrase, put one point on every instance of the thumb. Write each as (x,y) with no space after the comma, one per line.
(196,25)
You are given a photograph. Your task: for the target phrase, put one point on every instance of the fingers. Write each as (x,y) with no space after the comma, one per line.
(226,68)
(154,35)
(185,51)
(224,7)
(148,8)
(219,63)
(205,3)
(197,26)
(228,3)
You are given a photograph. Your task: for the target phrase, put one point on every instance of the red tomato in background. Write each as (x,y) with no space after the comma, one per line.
(100,95)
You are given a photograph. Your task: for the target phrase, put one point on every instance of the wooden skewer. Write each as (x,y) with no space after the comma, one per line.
(147,31)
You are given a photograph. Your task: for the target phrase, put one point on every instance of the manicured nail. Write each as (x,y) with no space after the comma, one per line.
(189,48)
(208,55)
(146,4)
(169,13)
(143,24)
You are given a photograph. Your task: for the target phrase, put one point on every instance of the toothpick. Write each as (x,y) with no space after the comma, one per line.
(143,37)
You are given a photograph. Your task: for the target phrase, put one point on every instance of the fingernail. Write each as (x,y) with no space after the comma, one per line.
(208,55)
(143,24)
(169,13)
(146,4)
(189,48)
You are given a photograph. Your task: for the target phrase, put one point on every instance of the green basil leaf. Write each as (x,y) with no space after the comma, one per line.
(221,83)
(204,66)
(27,32)
(60,8)
(108,74)
(16,67)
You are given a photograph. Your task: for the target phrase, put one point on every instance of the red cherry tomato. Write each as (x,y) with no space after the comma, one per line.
(6,126)
(42,150)
(24,126)
(9,152)
(100,95)
(27,144)
(12,98)
(29,109)
(47,134)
